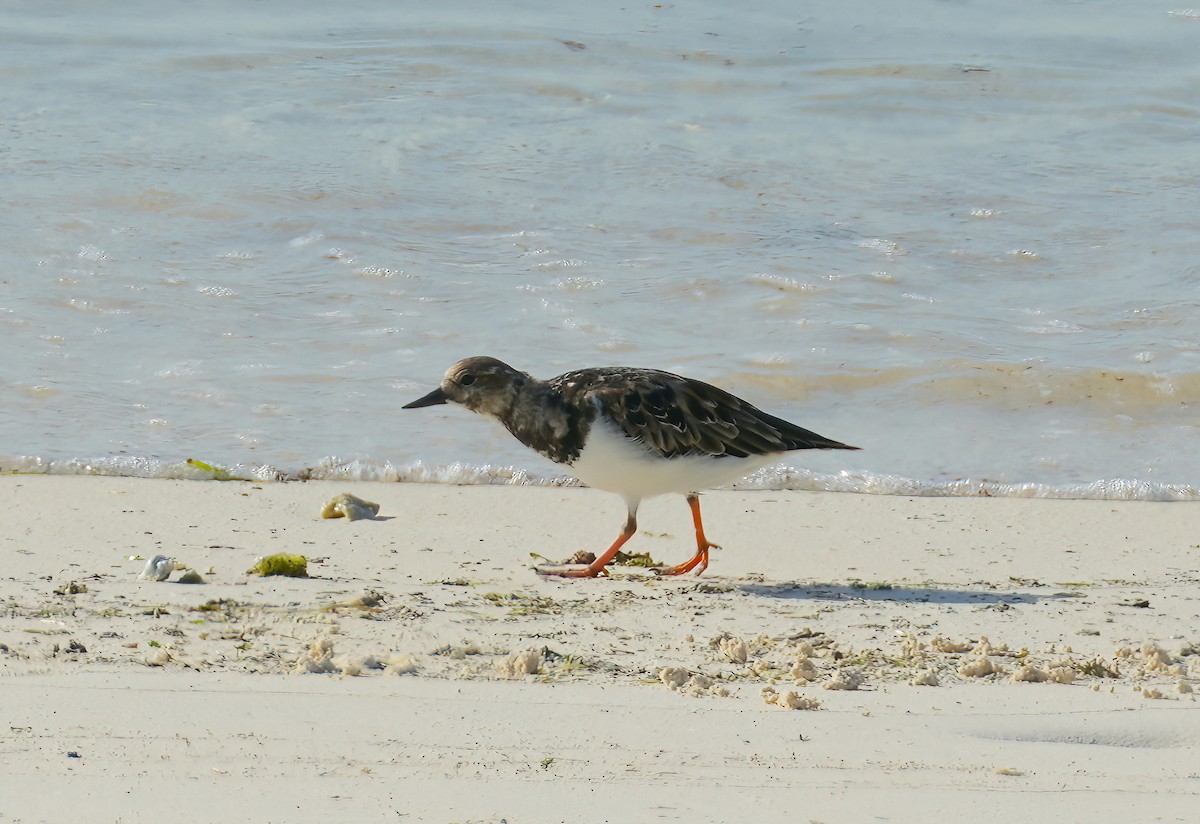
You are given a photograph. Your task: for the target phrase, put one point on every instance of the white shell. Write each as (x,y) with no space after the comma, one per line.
(158,568)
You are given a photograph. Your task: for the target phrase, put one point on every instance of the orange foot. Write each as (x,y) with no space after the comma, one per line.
(597,567)
(703,545)
(698,562)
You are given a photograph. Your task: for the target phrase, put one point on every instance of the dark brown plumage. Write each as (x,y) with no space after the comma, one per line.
(675,416)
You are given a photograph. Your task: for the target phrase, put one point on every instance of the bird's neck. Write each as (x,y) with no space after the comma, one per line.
(537,416)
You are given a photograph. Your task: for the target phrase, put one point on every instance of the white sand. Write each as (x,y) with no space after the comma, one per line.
(197,714)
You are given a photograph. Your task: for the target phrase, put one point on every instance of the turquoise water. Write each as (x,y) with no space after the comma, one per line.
(960,236)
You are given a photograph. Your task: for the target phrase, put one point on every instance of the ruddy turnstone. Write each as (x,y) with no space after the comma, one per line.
(636,432)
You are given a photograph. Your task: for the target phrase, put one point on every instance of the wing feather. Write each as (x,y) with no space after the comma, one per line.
(676,416)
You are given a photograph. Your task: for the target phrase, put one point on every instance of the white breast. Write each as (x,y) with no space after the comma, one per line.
(611,460)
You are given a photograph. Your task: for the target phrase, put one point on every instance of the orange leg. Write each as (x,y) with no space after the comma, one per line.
(699,561)
(597,567)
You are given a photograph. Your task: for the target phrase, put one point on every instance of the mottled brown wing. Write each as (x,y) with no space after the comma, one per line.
(678,416)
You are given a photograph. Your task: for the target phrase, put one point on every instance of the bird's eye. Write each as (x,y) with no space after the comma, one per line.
(467,380)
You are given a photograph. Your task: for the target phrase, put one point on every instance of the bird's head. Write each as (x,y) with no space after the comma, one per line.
(481,384)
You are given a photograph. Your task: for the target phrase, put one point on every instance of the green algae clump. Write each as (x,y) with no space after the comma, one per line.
(635,559)
(217,473)
(281,563)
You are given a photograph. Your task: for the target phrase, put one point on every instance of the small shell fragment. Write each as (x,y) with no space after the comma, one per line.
(157,657)
(158,568)
(981,666)
(845,679)
(678,679)
(925,678)
(518,664)
(735,649)
(1062,675)
(804,670)
(318,658)
(1030,673)
(400,665)
(790,699)
(350,507)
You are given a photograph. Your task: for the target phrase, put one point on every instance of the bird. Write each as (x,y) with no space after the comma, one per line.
(636,432)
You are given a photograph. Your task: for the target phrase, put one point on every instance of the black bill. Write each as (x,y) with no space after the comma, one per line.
(434,398)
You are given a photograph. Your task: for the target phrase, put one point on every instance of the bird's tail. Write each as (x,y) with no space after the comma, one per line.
(797,437)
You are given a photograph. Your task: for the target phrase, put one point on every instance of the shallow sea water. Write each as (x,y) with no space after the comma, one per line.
(960,236)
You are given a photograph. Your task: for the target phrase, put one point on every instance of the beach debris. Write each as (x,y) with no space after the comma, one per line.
(711,588)
(157,657)
(350,507)
(1009,771)
(281,563)
(159,568)
(925,678)
(981,666)
(369,600)
(1096,668)
(946,645)
(679,679)
(458,652)
(216,473)
(985,647)
(635,559)
(804,670)
(191,577)
(318,658)
(735,649)
(520,603)
(845,679)
(1184,687)
(225,605)
(789,699)
(1061,675)
(911,647)
(1030,673)
(881,586)
(400,665)
(674,677)
(72,588)
(804,649)
(521,663)
(1152,657)
(355,665)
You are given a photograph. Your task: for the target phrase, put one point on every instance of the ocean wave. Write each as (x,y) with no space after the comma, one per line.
(1104,489)
(460,474)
